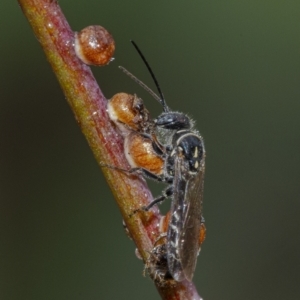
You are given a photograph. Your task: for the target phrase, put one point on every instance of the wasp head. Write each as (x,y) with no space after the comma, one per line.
(173,120)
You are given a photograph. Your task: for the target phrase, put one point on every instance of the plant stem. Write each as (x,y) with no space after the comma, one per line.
(89,107)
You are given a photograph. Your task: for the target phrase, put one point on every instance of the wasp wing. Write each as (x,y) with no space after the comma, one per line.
(192,223)
(185,222)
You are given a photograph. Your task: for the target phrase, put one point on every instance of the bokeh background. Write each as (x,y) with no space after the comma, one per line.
(234,66)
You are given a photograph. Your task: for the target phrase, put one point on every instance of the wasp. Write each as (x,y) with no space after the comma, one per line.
(135,124)
(181,158)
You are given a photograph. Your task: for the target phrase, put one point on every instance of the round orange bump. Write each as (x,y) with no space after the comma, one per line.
(202,234)
(128,113)
(140,153)
(94,45)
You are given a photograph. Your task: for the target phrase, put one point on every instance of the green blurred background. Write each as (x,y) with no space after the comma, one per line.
(234,66)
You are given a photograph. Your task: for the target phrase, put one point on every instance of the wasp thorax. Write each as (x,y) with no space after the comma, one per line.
(191,146)
(94,45)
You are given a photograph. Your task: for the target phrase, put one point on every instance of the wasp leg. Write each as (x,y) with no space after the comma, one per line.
(157,146)
(138,171)
(147,174)
(165,194)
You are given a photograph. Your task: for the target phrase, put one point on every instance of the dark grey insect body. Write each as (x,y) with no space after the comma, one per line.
(184,157)
(185,164)
(184,170)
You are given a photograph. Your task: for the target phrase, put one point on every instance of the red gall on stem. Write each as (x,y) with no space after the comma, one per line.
(94,45)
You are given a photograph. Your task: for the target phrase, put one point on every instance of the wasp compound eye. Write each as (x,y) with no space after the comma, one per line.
(173,120)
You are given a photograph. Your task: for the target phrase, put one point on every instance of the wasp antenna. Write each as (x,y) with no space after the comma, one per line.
(142,84)
(162,100)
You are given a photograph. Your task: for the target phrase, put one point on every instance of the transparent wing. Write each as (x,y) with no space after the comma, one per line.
(192,223)
(185,222)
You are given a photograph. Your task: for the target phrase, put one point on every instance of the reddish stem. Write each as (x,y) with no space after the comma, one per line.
(89,107)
